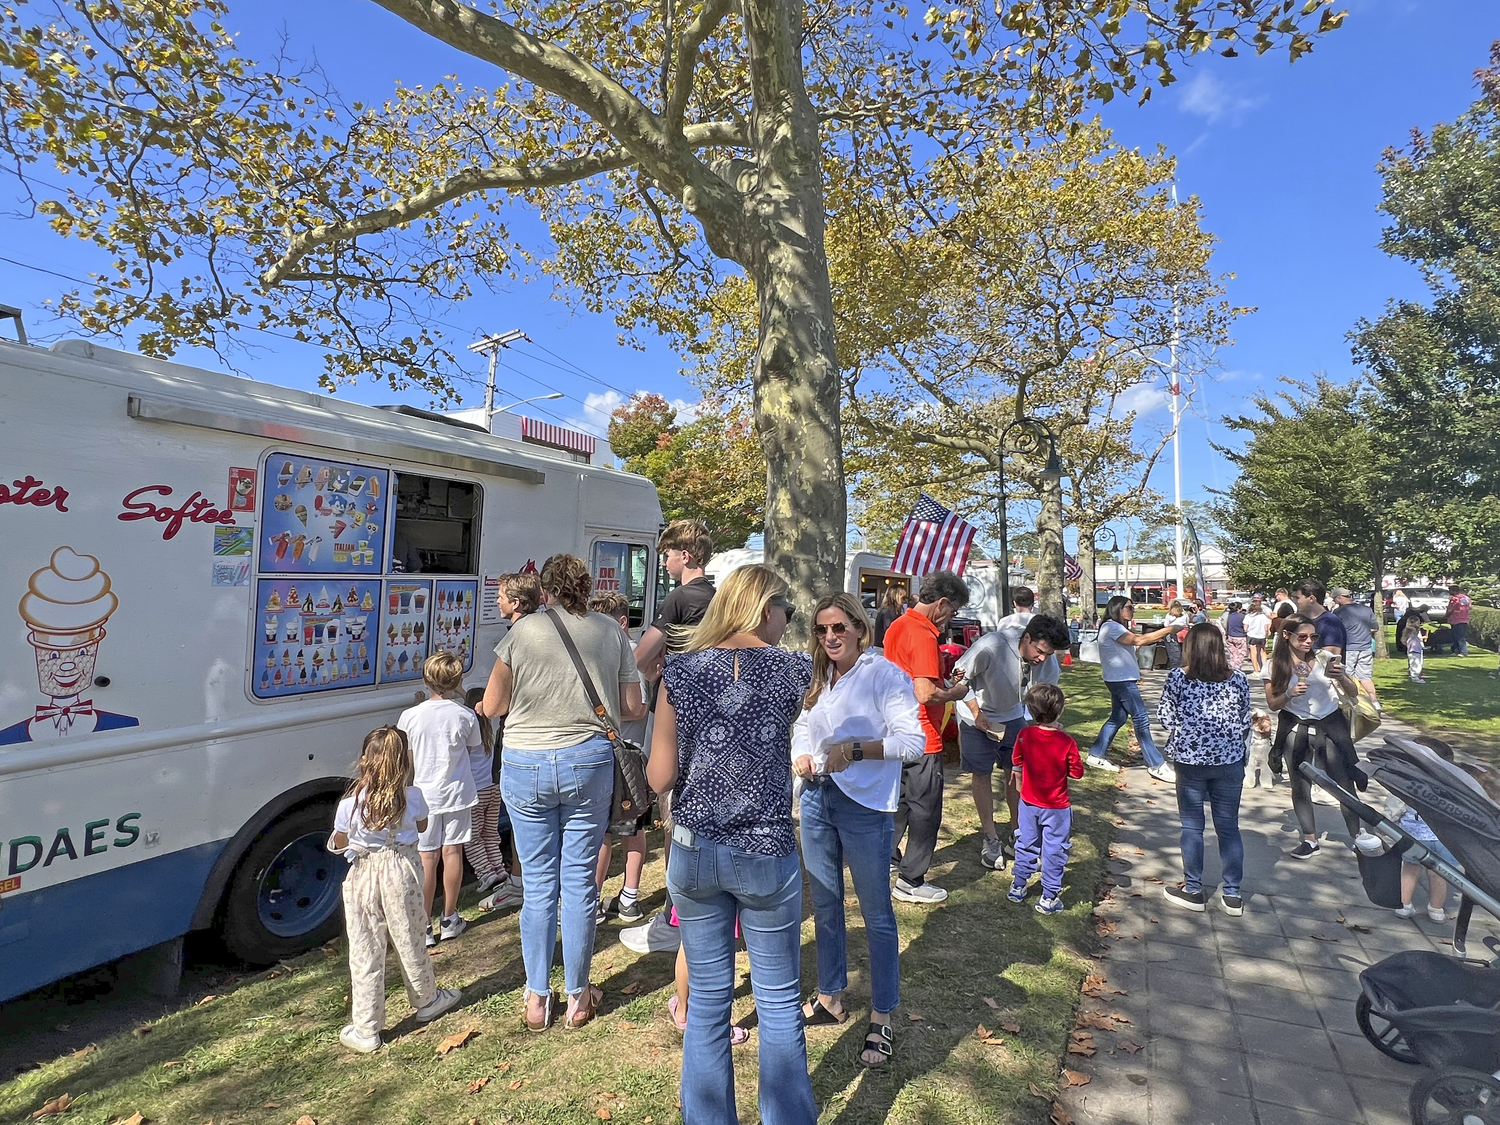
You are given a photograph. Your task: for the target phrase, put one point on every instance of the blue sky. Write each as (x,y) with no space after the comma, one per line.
(1281,155)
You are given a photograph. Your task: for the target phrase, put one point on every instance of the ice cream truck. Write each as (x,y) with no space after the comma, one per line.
(210,589)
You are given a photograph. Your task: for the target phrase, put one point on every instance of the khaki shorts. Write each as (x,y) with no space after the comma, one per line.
(1360,665)
(446,829)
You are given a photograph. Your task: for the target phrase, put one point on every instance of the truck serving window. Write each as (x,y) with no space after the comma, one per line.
(621,568)
(436,526)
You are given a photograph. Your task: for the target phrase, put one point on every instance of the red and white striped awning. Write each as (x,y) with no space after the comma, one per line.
(560,437)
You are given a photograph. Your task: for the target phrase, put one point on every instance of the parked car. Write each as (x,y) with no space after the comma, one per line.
(1431,600)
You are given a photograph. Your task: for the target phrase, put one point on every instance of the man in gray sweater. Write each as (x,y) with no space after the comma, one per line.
(998,668)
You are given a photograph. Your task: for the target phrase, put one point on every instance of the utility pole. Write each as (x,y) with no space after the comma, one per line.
(1175,387)
(491,346)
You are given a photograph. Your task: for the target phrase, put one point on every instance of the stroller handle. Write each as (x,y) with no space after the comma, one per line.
(1321,779)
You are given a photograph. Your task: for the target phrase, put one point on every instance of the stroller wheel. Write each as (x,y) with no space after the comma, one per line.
(1455,1096)
(1382,1034)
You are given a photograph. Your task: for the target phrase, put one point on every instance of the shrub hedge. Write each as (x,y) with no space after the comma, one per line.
(1484,627)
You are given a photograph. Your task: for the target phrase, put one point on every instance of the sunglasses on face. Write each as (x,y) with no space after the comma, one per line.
(838,629)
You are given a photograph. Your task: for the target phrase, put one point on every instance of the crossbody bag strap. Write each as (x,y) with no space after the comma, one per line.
(595,701)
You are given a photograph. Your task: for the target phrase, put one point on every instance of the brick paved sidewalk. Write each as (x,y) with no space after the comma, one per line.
(1249,1020)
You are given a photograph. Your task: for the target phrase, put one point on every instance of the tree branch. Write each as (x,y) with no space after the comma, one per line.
(698,31)
(509,177)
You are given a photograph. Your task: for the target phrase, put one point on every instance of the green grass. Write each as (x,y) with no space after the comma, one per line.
(266,1049)
(1460,700)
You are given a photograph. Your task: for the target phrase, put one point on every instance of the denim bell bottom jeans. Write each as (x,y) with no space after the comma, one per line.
(711,884)
(558,802)
(1126,705)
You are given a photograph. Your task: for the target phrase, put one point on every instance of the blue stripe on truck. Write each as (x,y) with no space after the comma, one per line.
(62,929)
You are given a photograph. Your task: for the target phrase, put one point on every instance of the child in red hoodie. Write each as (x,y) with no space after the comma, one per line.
(1046,758)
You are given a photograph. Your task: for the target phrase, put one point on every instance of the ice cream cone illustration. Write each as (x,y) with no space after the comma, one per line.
(65,607)
(322,477)
(300,511)
(304,477)
(285,476)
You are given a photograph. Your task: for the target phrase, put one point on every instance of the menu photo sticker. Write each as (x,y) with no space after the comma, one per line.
(404,637)
(322,517)
(314,634)
(232,548)
(454,618)
(241,490)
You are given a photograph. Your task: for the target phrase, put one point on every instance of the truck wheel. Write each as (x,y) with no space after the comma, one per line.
(284,897)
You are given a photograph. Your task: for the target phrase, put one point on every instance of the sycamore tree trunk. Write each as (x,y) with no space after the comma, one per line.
(1050,597)
(1088,562)
(796,384)
(1377,601)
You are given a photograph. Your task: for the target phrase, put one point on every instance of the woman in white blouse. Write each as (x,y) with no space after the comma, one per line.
(859,724)
(1303,687)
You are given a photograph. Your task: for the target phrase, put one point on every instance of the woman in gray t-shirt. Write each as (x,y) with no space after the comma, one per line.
(1117,645)
(557,774)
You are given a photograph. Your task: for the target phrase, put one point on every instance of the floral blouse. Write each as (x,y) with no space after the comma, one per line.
(1207,723)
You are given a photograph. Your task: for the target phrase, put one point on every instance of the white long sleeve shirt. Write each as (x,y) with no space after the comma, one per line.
(873,700)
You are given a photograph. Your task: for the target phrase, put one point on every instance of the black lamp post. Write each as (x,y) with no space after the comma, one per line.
(1030,434)
(1091,607)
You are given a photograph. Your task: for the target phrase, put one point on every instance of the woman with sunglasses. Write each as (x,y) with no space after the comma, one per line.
(723,747)
(1312,728)
(858,725)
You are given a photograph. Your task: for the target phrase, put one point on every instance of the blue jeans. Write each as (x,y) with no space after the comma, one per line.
(1460,645)
(710,884)
(1126,704)
(1220,787)
(835,829)
(558,802)
(1044,838)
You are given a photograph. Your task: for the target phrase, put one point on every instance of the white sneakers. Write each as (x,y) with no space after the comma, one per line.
(451,927)
(924,893)
(357,1042)
(1101,764)
(1164,773)
(1368,844)
(445,999)
(506,893)
(656,936)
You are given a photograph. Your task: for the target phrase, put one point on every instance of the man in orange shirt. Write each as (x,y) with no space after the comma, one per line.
(911,643)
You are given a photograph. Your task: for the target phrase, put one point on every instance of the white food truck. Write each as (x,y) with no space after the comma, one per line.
(210,590)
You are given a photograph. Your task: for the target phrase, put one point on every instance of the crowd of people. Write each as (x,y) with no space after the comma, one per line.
(768,764)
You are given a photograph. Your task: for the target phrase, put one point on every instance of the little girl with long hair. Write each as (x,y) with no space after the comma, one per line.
(376,828)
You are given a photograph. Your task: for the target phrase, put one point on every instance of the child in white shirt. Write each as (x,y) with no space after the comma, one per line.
(376,827)
(442,732)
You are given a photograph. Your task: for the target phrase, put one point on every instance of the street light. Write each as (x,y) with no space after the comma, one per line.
(1091,607)
(1032,432)
(524,401)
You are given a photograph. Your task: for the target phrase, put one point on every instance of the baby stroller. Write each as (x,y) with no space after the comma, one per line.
(1423,1007)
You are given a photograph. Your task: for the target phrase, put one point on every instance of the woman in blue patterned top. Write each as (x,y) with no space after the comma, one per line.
(723,746)
(1205,708)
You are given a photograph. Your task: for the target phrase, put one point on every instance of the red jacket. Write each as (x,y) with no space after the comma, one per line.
(1046,759)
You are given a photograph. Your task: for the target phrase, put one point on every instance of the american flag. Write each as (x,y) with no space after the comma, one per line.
(933,538)
(1072,572)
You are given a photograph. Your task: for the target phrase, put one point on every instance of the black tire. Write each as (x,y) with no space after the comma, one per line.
(1455,1096)
(1385,1039)
(265,922)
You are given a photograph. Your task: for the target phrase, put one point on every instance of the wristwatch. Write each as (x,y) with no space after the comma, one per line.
(856,752)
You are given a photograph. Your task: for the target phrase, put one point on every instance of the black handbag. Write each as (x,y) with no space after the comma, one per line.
(632,796)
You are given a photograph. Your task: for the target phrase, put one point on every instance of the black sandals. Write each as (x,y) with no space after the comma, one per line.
(821,1015)
(879,1038)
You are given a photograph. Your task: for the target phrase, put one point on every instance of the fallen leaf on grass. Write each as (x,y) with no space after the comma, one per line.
(1060,1116)
(603,1114)
(502,1066)
(990,1000)
(133,1119)
(517,1084)
(52,1106)
(306,1119)
(209,999)
(83,1052)
(1013,1028)
(271,1105)
(273,974)
(456,1040)
(1036,1091)
(628,1026)
(632,988)
(914,1017)
(1076,1079)
(143,1029)
(1087,1050)
(171,1063)
(479,1084)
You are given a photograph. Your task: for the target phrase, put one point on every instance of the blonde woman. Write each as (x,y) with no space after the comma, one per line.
(722,745)
(859,724)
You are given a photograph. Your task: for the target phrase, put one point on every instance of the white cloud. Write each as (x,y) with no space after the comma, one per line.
(597,409)
(1143,399)
(1207,97)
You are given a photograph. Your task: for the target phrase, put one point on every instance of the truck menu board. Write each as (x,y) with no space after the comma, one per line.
(453,618)
(404,637)
(314,634)
(322,517)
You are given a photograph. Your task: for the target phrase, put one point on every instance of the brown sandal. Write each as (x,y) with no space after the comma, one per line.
(546,1020)
(582,1015)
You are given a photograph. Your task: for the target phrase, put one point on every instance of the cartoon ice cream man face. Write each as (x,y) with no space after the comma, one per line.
(65,607)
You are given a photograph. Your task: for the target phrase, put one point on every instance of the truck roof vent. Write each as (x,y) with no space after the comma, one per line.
(433,416)
(10,312)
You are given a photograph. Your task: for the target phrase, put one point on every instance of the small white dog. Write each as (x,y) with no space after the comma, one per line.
(1258,769)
